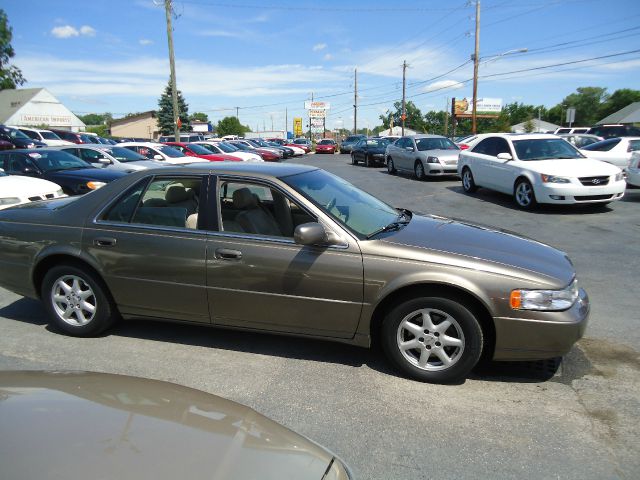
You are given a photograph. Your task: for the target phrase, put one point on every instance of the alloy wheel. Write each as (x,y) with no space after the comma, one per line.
(73,300)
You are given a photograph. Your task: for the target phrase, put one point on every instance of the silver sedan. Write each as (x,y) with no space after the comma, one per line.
(424,155)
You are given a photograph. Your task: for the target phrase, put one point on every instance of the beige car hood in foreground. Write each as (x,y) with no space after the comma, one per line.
(99,426)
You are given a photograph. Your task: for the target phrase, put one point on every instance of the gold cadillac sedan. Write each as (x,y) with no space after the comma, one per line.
(295,250)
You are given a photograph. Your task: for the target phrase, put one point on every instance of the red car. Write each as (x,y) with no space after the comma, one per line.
(195,150)
(326,145)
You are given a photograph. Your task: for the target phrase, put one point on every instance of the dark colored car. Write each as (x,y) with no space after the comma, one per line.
(347,145)
(609,131)
(6,145)
(266,154)
(129,428)
(326,145)
(75,176)
(73,137)
(19,139)
(259,143)
(369,151)
(295,250)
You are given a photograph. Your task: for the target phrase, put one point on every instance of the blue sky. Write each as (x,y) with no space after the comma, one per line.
(111,55)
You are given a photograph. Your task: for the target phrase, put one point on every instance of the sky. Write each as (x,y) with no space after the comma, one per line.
(268,57)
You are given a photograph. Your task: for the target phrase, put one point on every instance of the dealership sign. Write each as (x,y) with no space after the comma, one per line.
(484,106)
(51,120)
(297,126)
(317,113)
(308,105)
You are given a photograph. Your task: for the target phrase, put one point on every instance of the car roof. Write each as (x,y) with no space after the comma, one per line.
(425,135)
(239,168)
(142,144)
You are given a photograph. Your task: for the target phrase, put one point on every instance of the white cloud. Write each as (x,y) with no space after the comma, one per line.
(219,33)
(68,31)
(442,84)
(328,56)
(263,17)
(145,41)
(319,46)
(87,31)
(65,31)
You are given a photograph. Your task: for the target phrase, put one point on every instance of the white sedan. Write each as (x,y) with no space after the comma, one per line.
(538,168)
(616,151)
(16,190)
(160,152)
(633,172)
(228,149)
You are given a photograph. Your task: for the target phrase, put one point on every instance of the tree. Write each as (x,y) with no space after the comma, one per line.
(434,122)
(618,100)
(10,75)
(414,119)
(165,112)
(586,101)
(96,118)
(199,116)
(529,126)
(231,126)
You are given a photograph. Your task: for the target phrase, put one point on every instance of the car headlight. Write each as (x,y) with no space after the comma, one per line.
(432,160)
(9,200)
(547,300)
(553,179)
(619,176)
(95,185)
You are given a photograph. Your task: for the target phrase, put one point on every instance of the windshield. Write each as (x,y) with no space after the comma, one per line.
(354,138)
(227,147)
(198,149)
(378,142)
(301,141)
(170,152)
(425,144)
(49,135)
(124,154)
(545,149)
(326,142)
(55,160)
(17,134)
(362,213)
(242,146)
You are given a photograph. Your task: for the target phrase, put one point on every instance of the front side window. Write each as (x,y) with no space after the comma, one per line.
(124,154)
(257,209)
(31,134)
(545,149)
(425,144)
(91,156)
(49,135)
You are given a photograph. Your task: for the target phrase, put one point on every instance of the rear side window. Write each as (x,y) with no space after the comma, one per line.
(170,202)
(123,209)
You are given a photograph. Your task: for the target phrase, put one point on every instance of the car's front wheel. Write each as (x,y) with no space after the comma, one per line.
(77,301)
(391,168)
(524,195)
(367,161)
(353,160)
(432,339)
(418,170)
(468,184)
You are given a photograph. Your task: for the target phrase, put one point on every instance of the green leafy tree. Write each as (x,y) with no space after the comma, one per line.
(231,126)
(96,118)
(101,130)
(199,116)
(434,122)
(414,119)
(618,100)
(587,102)
(165,112)
(10,75)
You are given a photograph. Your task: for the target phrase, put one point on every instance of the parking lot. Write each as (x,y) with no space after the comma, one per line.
(575,419)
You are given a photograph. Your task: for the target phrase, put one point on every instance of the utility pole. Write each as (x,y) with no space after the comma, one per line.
(404,87)
(272,122)
(355,101)
(237,113)
(172,64)
(310,119)
(286,122)
(446,118)
(475,70)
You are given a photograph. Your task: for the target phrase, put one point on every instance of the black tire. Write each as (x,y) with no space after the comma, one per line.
(418,170)
(524,195)
(353,160)
(367,161)
(464,326)
(468,184)
(105,312)
(391,168)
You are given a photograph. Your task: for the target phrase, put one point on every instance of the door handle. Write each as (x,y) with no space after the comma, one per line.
(226,254)
(104,242)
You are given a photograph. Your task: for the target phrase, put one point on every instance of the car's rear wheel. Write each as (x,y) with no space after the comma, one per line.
(432,339)
(418,170)
(77,301)
(468,184)
(391,168)
(524,195)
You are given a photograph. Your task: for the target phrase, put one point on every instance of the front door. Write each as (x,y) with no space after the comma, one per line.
(258,277)
(150,251)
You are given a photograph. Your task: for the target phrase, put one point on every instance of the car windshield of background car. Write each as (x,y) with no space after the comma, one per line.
(17,134)
(325,142)
(50,136)
(634,146)
(354,208)
(227,147)
(604,145)
(170,152)
(425,144)
(124,154)
(353,138)
(198,149)
(545,149)
(378,142)
(52,161)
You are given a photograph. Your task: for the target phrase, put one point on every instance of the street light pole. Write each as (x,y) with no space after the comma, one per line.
(172,65)
(475,70)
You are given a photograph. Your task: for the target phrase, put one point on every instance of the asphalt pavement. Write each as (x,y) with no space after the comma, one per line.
(578,418)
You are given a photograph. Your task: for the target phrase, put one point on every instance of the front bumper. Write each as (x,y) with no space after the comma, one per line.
(569,193)
(436,169)
(552,335)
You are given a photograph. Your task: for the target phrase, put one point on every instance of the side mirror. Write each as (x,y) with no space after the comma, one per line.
(409,148)
(30,171)
(310,234)
(158,157)
(104,161)
(505,156)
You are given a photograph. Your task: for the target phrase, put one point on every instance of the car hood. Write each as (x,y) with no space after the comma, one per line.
(100,174)
(485,244)
(442,154)
(131,428)
(19,186)
(578,167)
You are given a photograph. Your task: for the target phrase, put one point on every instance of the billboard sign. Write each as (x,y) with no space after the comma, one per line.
(308,105)
(317,113)
(317,122)
(484,106)
(297,126)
